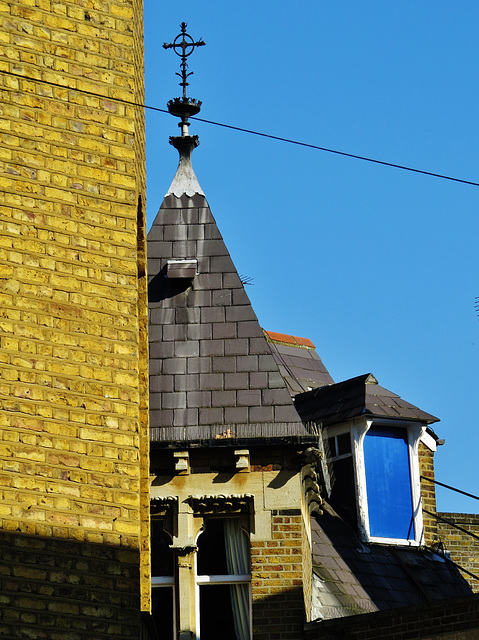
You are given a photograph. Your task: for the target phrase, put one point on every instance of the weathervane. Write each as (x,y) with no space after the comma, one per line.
(184,45)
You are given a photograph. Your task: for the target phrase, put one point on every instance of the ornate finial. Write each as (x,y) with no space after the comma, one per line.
(184,45)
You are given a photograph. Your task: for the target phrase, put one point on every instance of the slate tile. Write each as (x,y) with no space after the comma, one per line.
(161,383)
(187,315)
(199,365)
(285,414)
(175,232)
(205,216)
(240,297)
(211,416)
(209,281)
(198,399)
(236,347)
(160,417)
(223,398)
(155,333)
(173,400)
(236,415)
(261,414)
(174,332)
(161,315)
(174,365)
(258,380)
(199,331)
(155,402)
(185,417)
(275,396)
(221,264)
(232,281)
(221,298)
(196,232)
(224,330)
(249,329)
(211,232)
(211,347)
(156,232)
(259,346)
(248,397)
(188,382)
(213,314)
(183,249)
(212,248)
(236,381)
(189,217)
(210,381)
(226,364)
(160,249)
(160,350)
(155,366)
(247,363)
(275,380)
(187,348)
(267,363)
(200,298)
(240,314)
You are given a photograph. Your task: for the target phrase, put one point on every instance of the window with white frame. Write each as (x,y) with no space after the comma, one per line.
(162,581)
(223,578)
(376,479)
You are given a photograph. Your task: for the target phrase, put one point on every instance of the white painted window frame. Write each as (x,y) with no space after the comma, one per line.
(358,429)
(202,580)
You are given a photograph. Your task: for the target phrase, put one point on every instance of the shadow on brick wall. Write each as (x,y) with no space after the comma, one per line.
(279,616)
(57,589)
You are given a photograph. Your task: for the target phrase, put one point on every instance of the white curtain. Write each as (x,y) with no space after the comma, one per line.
(237,560)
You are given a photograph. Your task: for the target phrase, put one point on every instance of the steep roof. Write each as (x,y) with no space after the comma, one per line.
(352,577)
(355,397)
(212,374)
(298,362)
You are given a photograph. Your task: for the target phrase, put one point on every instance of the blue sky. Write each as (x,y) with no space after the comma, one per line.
(378,267)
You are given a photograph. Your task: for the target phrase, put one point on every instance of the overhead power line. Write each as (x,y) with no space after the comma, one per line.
(253,132)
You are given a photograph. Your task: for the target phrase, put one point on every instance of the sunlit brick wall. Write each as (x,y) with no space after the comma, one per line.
(73,354)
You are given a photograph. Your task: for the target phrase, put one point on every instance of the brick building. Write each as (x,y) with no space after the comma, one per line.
(256,467)
(74,526)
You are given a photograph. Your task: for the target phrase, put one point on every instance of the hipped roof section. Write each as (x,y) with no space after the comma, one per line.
(355,397)
(212,373)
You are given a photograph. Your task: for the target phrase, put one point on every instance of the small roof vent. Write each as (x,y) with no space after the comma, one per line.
(182,268)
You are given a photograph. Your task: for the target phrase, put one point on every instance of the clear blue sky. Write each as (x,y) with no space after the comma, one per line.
(379,267)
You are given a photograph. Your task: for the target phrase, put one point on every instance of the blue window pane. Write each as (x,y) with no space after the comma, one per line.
(388,482)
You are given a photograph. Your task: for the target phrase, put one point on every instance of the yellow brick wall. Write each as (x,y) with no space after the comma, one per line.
(428,493)
(73,349)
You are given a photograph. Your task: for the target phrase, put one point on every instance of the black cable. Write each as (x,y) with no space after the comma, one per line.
(441,484)
(452,524)
(256,133)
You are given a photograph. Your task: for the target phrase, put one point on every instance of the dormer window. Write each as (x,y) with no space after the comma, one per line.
(376,479)
(373,437)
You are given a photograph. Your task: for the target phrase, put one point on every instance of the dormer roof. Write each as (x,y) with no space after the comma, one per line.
(353,398)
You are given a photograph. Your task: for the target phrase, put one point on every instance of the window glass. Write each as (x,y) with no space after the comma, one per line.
(388,483)
(162,572)
(224,580)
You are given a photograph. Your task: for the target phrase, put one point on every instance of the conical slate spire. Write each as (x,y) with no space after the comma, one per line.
(212,373)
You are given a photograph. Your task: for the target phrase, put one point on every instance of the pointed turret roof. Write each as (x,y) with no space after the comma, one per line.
(212,372)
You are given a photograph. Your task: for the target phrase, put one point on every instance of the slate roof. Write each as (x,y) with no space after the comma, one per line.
(352,577)
(355,397)
(212,374)
(298,362)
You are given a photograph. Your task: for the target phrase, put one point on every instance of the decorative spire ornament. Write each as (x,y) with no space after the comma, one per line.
(185,180)
(184,45)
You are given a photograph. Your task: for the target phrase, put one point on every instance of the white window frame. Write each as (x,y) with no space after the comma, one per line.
(228,579)
(358,429)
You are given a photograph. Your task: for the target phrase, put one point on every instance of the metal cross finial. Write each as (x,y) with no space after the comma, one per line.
(184,48)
